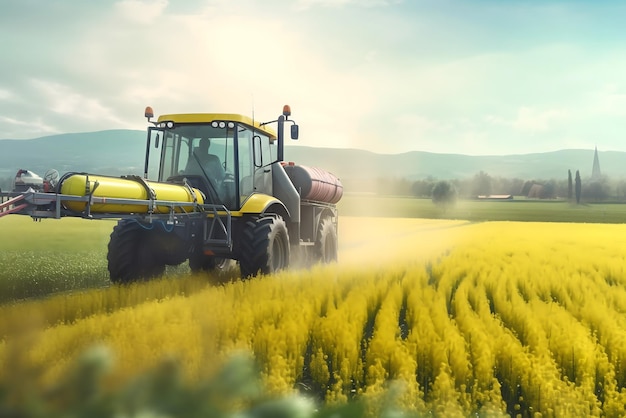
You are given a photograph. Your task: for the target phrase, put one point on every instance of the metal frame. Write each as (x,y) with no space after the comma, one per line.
(40,205)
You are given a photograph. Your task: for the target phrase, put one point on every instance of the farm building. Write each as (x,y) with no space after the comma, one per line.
(495,197)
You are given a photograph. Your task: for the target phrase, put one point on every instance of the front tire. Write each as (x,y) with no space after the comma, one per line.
(131,256)
(264,246)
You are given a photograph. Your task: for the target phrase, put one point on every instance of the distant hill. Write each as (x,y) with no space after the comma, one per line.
(118,152)
(113,152)
(347,163)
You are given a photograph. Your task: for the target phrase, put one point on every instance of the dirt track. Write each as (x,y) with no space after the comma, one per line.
(376,241)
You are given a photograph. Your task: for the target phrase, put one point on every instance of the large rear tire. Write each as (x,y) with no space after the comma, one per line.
(131,255)
(264,246)
(326,243)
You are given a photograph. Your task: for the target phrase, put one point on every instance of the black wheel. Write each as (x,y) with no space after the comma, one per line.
(131,255)
(264,246)
(326,243)
(201,262)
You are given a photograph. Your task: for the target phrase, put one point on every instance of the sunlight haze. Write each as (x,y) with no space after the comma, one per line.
(486,77)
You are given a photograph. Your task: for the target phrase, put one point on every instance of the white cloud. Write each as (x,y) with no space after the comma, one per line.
(63,100)
(528,119)
(36,127)
(140,11)
(416,125)
(232,63)
(6,94)
(610,99)
(533,120)
(307,4)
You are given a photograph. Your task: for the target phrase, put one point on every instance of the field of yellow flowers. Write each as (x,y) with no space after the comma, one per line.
(495,318)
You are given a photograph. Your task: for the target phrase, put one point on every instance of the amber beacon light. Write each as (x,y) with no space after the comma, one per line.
(149,113)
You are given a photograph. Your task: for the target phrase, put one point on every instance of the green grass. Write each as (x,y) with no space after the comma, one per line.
(39,258)
(518,209)
(54,256)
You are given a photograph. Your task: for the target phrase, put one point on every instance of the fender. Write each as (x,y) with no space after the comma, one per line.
(258,203)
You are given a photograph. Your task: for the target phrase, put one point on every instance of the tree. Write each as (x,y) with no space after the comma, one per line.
(548,190)
(526,188)
(535,191)
(570,186)
(578,187)
(444,194)
(620,189)
(393,186)
(423,188)
(481,184)
(597,190)
(503,185)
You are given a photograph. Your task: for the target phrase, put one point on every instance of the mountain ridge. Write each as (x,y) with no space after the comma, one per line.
(120,152)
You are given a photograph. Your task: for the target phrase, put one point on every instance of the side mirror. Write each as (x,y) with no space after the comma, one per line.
(294,131)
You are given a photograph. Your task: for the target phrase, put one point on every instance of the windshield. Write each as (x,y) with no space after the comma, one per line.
(202,154)
(227,164)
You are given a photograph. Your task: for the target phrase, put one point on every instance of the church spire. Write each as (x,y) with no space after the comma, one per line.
(595,171)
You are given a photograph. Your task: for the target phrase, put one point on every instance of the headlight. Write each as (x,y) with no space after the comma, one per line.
(222,124)
(168,124)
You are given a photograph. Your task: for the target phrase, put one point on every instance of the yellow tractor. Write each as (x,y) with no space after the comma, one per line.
(215,191)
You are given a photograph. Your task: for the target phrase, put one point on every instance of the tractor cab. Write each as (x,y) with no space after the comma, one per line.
(226,156)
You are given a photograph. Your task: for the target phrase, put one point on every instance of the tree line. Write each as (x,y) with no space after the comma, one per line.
(571,186)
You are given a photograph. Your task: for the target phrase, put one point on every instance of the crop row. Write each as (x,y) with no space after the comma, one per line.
(510,318)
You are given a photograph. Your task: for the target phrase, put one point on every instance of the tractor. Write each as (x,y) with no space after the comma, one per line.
(215,191)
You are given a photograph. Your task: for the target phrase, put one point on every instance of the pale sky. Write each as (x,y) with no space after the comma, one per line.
(390,76)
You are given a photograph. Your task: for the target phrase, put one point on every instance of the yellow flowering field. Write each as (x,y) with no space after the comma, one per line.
(496,318)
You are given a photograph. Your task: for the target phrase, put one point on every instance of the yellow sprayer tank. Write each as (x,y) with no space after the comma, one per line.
(124,188)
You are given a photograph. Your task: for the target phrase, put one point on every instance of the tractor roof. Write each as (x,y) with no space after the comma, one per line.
(210,117)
